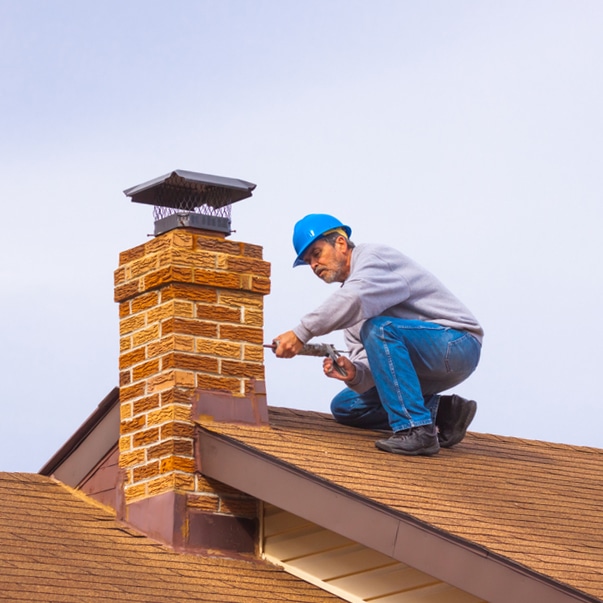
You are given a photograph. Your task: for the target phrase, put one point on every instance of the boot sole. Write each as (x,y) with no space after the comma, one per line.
(383,445)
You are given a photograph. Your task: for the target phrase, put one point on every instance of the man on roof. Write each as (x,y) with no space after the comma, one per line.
(409,338)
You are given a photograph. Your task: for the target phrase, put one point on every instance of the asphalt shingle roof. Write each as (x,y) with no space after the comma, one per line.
(535,503)
(58,545)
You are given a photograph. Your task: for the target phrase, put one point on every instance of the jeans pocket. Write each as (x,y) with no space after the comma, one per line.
(462,354)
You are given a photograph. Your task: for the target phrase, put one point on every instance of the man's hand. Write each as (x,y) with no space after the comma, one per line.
(287,345)
(342,361)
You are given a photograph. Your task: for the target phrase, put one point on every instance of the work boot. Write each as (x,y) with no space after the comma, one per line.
(415,441)
(453,418)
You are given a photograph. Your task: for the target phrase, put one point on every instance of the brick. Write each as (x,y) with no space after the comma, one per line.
(147,471)
(240,298)
(188,292)
(246,282)
(184,481)
(205,484)
(160,244)
(218,313)
(164,483)
(239,507)
(130,255)
(125,343)
(167,346)
(240,333)
(184,378)
(127,291)
(131,391)
(182,237)
(185,309)
(145,437)
(131,324)
(253,353)
(206,502)
(218,245)
(184,343)
(252,251)
(214,278)
(259,284)
(165,414)
(178,360)
(145,404)
(125,410)
(119,276)
(177,430)
(184,326)
(247,266)
(182,447)
(177,463)
(176,395)
(129,426)
(144,370)
(160,347)
(193,258)
(129,359)
(130,459)
(242,369)
(125,378)
(134,492)
(125,309)
(144,301)
(230,384)
(160,382)
(166,275)
(144,265)
(215,347)
(125,443)
(145,335)
(253,317)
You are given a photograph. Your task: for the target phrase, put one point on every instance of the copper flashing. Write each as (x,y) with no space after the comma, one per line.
(453,560)
(168,518)
(221,406)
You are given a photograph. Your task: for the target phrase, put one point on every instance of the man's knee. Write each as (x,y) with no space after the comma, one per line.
(341,407)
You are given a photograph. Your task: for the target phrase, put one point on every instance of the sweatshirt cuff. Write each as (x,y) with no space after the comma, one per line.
(302,333)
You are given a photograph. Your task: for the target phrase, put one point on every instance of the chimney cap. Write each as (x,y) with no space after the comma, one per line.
(191,188)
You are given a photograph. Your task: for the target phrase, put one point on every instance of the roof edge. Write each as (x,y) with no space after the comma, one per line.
(440,554)
(86,428)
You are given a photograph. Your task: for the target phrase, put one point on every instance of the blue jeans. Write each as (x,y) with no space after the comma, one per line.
(411,361)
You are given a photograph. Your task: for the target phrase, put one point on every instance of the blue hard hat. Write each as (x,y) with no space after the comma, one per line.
(311,228)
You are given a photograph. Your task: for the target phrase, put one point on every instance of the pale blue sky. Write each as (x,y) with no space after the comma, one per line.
(466,133)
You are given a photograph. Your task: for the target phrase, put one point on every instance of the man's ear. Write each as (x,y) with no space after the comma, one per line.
(341,242)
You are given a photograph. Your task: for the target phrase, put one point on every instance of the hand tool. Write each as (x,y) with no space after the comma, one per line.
(317,349)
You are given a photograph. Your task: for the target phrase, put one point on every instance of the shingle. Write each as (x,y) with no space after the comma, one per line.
(56,545)
(535,503)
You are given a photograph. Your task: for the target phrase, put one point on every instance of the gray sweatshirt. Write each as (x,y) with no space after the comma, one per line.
(383,282)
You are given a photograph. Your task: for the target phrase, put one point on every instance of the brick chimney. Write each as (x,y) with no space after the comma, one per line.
(191,332)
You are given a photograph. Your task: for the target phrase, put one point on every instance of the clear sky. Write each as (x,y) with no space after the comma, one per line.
(466,133)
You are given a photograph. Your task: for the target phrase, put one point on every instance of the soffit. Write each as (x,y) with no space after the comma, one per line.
(63,547)
(346,568)
(533,503)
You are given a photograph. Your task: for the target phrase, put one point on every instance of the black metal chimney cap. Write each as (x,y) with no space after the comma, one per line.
(182,189)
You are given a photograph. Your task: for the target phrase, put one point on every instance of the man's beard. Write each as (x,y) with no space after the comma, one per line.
(333,275)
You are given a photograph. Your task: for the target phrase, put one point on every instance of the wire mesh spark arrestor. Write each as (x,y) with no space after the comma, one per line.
(189,199)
